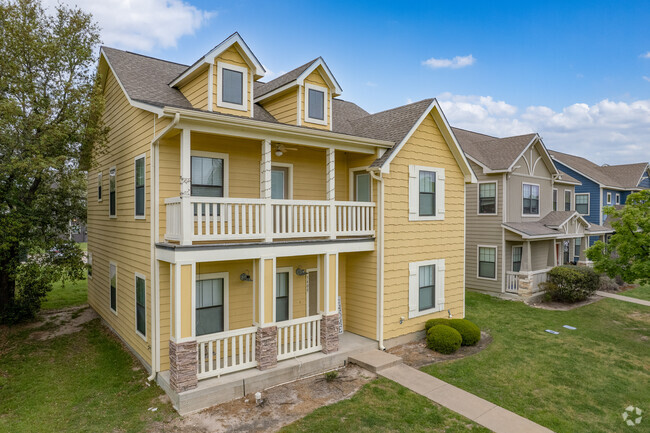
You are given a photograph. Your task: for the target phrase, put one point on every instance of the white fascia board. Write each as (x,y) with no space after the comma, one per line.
(580,173)
(137,104)
(525,236)
(486,169)
(532,142)
(276,91)
(329,77)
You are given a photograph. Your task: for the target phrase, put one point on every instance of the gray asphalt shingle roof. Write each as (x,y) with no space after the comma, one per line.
(262,89)
(620,176)
(494,153)
(549,225)
(566,178)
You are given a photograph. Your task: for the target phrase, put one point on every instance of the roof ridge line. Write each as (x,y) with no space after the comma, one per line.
(144,55)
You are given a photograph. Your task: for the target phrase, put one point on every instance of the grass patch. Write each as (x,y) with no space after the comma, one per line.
(577,381)
(82,382)
(66,295)
(642,292)
(384,406)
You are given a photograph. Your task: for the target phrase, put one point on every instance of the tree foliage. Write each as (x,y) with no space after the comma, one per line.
(50,125)
(628,251)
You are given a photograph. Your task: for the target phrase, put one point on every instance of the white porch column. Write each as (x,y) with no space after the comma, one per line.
(265,189)
(187,213)
(331,190)
(329,331)
(529,260)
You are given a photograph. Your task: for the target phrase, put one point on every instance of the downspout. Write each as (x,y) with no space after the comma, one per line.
(380,254)
(153,232)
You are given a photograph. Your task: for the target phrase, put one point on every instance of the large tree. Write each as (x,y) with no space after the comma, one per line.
(628,251)
(50,121)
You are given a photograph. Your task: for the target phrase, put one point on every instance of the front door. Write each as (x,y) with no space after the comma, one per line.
(279,183)
(312,293)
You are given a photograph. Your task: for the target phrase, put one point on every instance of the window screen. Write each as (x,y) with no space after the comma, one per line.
(209,306)
(427,287)
(487,262)
(316,104)
(232,87)
(427,193)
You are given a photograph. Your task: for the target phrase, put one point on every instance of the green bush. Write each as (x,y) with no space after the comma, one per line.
(433,322)
(571,283)
(443,339)
(470,333)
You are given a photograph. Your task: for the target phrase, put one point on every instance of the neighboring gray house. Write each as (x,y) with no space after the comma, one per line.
(520,216)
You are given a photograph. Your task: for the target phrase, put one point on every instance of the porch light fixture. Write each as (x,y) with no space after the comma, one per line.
(301,272)
(245,277)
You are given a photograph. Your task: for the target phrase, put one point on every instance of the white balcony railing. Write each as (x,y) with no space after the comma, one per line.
(225,352)
(218,219)
(512,282)
(298,337)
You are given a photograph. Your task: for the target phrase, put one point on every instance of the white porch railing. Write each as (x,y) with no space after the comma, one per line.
(512,282)
(514,279)
(218,219)
(298,337)
(539,277)
(225,352)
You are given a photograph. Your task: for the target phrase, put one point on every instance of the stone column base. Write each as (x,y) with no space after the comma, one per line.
(266,347)
(329,333)
(182,365)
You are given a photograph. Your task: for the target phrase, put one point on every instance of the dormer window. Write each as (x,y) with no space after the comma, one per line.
(232,86)
(316,104)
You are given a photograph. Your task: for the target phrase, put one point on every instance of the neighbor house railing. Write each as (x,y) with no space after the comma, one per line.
(299,337)
(226,352)
(514,280)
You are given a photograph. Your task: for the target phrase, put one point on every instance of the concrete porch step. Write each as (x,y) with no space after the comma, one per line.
(375,360)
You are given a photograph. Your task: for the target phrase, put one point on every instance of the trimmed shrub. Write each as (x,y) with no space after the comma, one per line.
(470,333)
(571,283)
(433,322)
(443,339)
(607,284)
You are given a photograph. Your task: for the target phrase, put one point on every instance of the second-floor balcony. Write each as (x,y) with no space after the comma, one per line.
(232,219)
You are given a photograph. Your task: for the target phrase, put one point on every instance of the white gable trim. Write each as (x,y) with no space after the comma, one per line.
(532,142)
(137,104)
(329,77)
(438,116)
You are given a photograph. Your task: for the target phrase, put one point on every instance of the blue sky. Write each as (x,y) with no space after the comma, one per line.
(576,72)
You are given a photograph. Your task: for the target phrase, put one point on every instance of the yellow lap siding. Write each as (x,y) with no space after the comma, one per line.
(196,90)
(232,56)
(360,302)
(165,316)
(316,79)
(411,241)
(284,107)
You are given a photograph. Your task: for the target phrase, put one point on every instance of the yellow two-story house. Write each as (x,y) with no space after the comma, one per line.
(237,226)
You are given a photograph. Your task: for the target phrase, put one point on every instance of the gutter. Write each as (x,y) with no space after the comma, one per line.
(380,254)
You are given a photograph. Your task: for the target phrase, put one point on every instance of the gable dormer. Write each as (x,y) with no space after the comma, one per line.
(301,97)
(222,81)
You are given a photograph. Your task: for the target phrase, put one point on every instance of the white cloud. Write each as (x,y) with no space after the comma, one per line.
(606,132)
(455,63)
(371,84)
(142,24)
(646,78)
(645,55)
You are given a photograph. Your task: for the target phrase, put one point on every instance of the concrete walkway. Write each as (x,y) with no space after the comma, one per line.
(478,410)
(623,298)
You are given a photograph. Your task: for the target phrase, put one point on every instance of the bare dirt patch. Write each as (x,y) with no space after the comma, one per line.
(563,306)
(281,405)
(417,354)
(62,322)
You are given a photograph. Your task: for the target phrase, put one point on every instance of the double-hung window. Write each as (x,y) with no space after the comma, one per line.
(609,198)
(554,199)
(315,104)
(582,203)
(112,276)
(139,186)
(140,305)
(530,199)
(426,287)
(99,186)
(232,86)
(210,308)
(487,260)
(361,186)
(618,199)
(516,258)
(567,200)
(282,298)
(112,195)
(487,198)
(426,193)
(207,176)
(577,246)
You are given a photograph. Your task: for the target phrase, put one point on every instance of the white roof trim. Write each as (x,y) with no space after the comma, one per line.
(333,84)
(577,171)
(279,90)
(573,215)
(450,138)
(532,142)
(258,69)
(646,171)
(137,104)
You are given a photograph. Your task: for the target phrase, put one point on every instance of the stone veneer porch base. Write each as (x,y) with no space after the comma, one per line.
(228,387)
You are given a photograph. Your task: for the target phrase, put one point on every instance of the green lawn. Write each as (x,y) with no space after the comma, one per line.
(66,295)
(384,406)
(577,381)
(639,293)
(81,382)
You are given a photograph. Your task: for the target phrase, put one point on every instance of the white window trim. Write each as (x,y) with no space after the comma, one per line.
(414,193)
(89,262)
(352,192)
(588,202)
(618,199)
(289,166)
(496,198)
(135,305)
(539,200)
(570,199)
(226,167)
(555,194)
(220,102)
(109,287)
(414,287)
(136,216)
(226,298)
(325,102)
(496,262)
(609,198)
(512,258)
(275,290)
(114,170)
(100,187)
